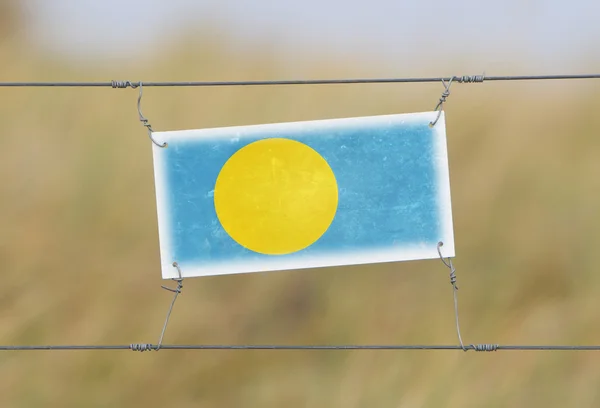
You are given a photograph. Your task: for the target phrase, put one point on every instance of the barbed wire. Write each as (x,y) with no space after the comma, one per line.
(142,347)
(151,347)
(459,79)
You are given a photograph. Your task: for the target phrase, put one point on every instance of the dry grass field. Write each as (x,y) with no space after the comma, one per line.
(80,264)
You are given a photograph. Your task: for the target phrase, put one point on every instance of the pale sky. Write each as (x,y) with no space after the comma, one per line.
(556,35)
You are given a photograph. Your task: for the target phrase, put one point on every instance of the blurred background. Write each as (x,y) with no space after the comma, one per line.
(78,239)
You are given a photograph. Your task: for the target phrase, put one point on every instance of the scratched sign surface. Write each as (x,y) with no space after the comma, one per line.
(303,194)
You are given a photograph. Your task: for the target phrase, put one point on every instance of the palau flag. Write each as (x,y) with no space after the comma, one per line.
(303,194)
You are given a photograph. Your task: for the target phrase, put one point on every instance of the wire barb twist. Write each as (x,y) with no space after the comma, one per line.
(442,100)
(484,347)
(144,120)
(469,79)
(124,84)
(141,347)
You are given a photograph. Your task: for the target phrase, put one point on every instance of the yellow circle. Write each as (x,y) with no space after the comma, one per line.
(276,196)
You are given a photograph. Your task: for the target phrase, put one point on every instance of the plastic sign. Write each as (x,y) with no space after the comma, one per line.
(303,194)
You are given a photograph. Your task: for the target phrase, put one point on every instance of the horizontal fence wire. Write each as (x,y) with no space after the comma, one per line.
(152,347)
(459,79)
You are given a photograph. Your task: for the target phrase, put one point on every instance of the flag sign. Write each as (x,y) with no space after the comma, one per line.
(303,194)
